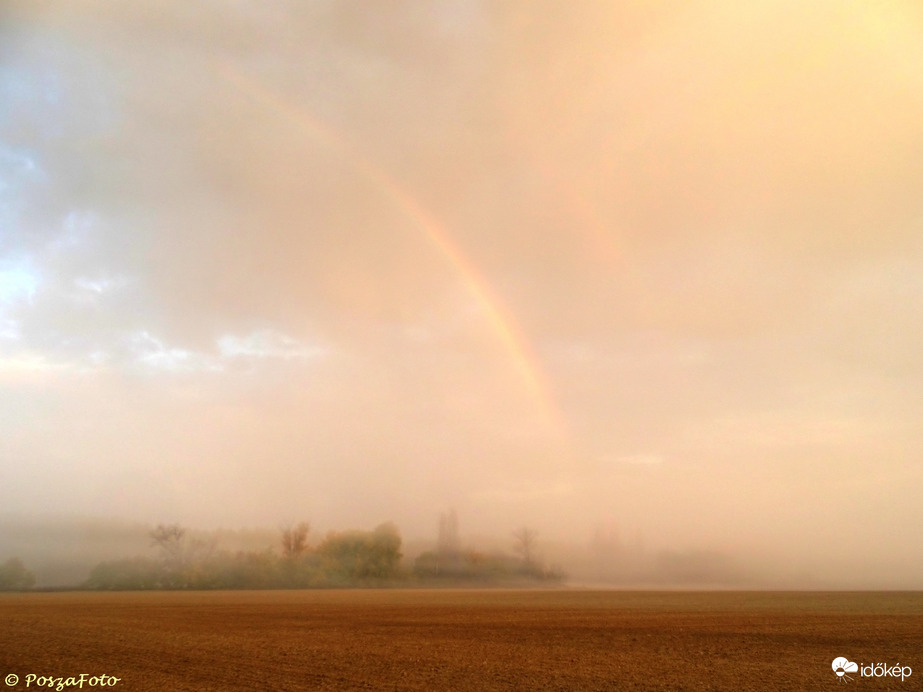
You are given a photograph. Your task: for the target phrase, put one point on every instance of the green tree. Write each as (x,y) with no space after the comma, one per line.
(15,577)
(126,575)
(362,555)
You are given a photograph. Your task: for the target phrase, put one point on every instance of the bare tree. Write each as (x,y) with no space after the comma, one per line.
(170,539)
(295,540)
(448,543)
(525,544)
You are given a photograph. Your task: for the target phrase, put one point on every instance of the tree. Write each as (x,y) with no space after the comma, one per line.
(295,540)
(128,574)
(448,544)
(362,555)
(525,544)
(15,577)
(169,539)
(180,558)
(386,544)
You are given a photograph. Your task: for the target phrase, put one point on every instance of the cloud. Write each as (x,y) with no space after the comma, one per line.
(265,344)
(153,353)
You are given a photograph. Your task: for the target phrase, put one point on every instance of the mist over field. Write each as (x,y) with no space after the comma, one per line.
(644,277)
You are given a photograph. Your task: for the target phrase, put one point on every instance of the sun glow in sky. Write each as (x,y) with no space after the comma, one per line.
(556,264)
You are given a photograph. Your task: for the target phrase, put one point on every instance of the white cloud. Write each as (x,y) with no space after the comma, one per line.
(76,230)
(94,285)
(154,353)
(16,164)
(9,329)
(25,365)
(266,343)
(90,290)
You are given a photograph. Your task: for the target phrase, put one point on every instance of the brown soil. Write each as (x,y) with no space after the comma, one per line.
(460,639)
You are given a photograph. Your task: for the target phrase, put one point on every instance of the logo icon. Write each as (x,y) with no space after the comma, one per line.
(842,666)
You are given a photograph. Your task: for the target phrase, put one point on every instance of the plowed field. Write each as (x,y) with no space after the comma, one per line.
(459,640)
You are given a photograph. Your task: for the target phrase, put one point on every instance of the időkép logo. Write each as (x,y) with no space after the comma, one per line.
(843,666)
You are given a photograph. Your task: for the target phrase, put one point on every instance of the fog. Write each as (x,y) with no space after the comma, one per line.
(625,269)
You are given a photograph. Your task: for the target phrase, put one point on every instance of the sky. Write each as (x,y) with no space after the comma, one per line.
(655,266)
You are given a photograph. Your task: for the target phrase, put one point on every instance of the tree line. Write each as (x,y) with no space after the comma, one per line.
(347,558)
(352,558)
(449,563)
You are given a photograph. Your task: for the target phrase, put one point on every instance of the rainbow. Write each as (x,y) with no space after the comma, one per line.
(503,325)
